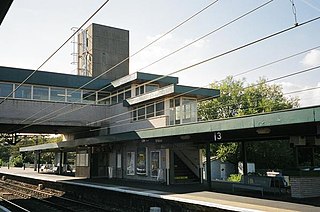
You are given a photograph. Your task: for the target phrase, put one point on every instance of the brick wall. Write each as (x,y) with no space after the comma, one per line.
(304,187)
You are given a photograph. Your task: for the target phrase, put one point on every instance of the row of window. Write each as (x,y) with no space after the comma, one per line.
(179,110)
(148,111)
(55,94)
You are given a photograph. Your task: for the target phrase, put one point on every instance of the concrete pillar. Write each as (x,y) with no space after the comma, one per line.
(35,161)
(60,163)
(38,164)
(208,164)
(168,166)
(244,159)
(201,165)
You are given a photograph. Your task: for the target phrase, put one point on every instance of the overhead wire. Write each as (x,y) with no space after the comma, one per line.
(124,60)
(232,50)
(240,47)
(161,77)
(247,87)
(54,53)
(170,54)
(222,54)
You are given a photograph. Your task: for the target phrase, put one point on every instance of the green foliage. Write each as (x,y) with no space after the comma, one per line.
(227,152)
(234,178)
(17,161)
(238,99)
(7,150)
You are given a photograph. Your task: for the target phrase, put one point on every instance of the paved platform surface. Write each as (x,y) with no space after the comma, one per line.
(195,194)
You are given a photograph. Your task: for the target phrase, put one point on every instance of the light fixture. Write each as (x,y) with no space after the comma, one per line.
(262,131)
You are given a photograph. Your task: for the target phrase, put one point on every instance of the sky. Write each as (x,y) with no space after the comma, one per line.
(34,29)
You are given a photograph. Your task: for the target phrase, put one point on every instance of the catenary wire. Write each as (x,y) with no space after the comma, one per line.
(232,50)
(170,54)
(217,56)
(253,85)
(124,60)
(54,53)
(234,20)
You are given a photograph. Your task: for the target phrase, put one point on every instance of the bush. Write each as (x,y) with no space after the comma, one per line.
(234,178)
(17,161)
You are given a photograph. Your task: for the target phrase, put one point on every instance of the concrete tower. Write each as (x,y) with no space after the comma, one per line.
(100,48)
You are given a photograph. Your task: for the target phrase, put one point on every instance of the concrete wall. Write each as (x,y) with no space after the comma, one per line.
(17,111)
(305,187)
(106,47)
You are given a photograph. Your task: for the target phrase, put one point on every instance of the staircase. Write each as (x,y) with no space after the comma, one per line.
(182,173)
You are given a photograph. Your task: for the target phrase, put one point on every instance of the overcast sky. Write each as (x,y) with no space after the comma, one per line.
(33,29)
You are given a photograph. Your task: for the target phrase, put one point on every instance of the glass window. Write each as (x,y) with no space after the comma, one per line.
(58,94)
(88,97)
(120,96)
(130,163)
(114,99)
(104,98)
(127,93)
(5,89)
(40,93)
(23,92)
(150,111)
(141,89)
(141,113)
(155,163)
(151,87)
(134,114)
(189,110)
(159,108)
(73,95)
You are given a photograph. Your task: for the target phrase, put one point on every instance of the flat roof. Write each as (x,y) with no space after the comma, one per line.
(282,123)
(144,77)
(173,90)
(17,75)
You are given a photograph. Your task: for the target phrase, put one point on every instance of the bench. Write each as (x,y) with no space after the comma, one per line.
(247,186)
(256,183)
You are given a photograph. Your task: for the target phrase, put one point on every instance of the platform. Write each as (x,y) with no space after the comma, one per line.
(194,194)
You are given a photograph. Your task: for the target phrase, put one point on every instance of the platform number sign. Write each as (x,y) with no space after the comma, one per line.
(217,136)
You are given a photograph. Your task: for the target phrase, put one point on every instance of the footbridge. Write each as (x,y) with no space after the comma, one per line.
(48,102)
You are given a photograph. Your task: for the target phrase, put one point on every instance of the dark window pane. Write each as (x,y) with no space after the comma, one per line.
(58,94)
(40,93)
(5,89)
(160,109)
(141,113)
(23,92)
(89,97)
(150,111)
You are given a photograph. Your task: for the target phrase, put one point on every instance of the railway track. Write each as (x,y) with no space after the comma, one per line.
(18,196)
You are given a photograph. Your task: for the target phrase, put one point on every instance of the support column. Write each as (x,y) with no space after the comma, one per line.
(60,163)
(38,164)
(201,165)
(167,166)
(244,160)
(208,164)
(35,160)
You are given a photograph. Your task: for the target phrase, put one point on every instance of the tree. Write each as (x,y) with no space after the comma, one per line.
(238,99)
(11,149)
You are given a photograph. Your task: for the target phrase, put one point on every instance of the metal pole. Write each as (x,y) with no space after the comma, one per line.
(244,160)
(208,164)
(38,161)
